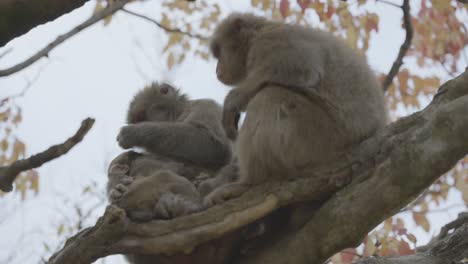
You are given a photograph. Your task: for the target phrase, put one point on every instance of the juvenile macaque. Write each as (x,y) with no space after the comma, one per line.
(183,139)
(308,97)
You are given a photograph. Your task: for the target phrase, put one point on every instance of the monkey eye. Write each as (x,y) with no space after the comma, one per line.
(216,50)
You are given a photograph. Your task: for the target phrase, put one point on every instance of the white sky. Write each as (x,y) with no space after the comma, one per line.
(94,74)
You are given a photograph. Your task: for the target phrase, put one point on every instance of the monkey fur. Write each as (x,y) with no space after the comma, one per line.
(308,97)
(182,139)
(166,123)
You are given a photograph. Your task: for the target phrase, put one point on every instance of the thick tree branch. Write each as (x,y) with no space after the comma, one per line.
(405,158)
(19,16)
(388,170)
(165,28)
(445,249)
(404,47)
(109,10)
(8,174)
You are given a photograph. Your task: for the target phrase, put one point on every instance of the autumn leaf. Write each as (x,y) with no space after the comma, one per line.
(284,8)
(421,220)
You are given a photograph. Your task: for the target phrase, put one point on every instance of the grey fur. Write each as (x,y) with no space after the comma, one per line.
(308,98)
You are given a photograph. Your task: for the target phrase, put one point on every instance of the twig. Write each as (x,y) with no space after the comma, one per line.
(167,29)
(404,47)
(388,3)
(9,173)
(109,10)
(5,52)
(29,83)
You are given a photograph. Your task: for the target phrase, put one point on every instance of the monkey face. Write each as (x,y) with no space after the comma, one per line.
(157,102)
(229,45)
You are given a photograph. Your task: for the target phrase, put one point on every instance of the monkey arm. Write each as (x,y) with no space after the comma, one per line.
(185,141)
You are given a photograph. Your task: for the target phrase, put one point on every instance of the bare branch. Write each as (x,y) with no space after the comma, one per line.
(424,145)
(3,54)
(389,3)
(167,29)
(9,173)
(404,47)
(109,10)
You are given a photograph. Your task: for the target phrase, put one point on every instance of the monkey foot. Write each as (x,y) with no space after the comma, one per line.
(118,191)
(224,193)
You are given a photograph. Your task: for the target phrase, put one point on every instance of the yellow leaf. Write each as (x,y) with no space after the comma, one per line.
(98,7)
(352,37)
(18,150)
(107,20)
(60,229)
(17,118)
(170,60)
(441,4)
(369,247)
(34,181)
(421,220)
(461,183)
(4,115)
(4,145)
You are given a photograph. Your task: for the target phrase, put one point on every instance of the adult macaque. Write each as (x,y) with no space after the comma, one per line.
(166,123)
(307,96)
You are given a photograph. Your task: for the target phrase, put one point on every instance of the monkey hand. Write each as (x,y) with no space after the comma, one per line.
(127,136)
(234,103)
(120,189)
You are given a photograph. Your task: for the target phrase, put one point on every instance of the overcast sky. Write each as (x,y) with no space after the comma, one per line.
(95,74)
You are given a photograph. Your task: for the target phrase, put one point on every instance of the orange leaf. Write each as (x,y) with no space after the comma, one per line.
(404,249)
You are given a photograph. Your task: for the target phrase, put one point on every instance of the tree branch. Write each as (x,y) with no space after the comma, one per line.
(404,47)
(388,170)
(445,249)
(8,174)
(19,16)
(109,10)
(167,29)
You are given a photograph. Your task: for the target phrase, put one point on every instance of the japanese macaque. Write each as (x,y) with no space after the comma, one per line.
(166,123)
(308,97)
(149,187)
(183,138)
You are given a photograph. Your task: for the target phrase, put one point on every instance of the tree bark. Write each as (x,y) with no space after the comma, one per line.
(17,17)
(388,170)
